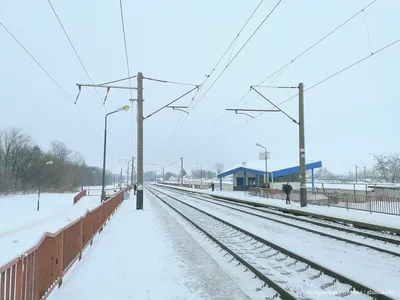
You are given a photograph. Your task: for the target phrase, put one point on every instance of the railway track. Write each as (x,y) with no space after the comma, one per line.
(382,235)
(287,273)
(384,244)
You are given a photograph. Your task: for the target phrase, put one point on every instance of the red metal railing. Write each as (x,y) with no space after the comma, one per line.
(80,195)
(371,203)
(34,274)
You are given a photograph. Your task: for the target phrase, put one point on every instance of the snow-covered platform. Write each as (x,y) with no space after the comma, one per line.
(376,221)
(146,255)
(21,225)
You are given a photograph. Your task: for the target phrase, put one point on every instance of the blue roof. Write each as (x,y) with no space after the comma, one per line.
(278,173)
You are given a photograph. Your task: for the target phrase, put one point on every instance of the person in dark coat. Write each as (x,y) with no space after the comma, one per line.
(212,186)
(134,189)
(287,189)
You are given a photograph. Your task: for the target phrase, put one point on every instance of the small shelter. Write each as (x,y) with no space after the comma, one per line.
(251,174)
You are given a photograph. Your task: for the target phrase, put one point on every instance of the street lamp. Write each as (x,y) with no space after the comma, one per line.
(103,193)
(38,199)
(201,174)
(266,178)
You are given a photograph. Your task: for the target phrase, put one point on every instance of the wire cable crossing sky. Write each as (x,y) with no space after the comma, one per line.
(343,52)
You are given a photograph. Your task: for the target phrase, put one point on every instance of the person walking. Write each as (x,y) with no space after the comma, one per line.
(134,189)
(287,189)
(212,186)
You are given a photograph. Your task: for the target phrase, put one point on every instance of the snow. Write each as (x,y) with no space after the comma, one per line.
(146,255)
(21,225)
(346,259)
(300,221)
(341,186)
(379,219)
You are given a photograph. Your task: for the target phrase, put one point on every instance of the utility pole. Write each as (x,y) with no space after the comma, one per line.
(127,176)
(163,175)
(140,119)
(201,174)
(139,195)
(356,167)
(365,172)
(266,169)
(120,178)
(181,171)
(133,170)
(266,177)
(300,123)
(302,149)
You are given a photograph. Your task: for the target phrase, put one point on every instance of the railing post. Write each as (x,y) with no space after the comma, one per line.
(92,228)
(101,217)
(36,275)
(61,260)
(81,237)
(370,206)
(108,213)
(20,276)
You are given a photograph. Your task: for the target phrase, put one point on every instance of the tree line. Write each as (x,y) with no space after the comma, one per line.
(24,166)
(386,168)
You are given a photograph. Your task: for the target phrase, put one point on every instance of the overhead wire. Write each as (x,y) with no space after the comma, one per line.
(45,71)
(367,29)
(232,43)
(320,82)
(183,118)
(283,68)
(73,48)
(317,42)
(118,80)
(128,69)
(239,51)
(168,81)
(125,45)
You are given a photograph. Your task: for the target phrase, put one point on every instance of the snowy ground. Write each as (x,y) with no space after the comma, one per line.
(341,186)
(359,216)
(146,255)
(347,259)
(21,225)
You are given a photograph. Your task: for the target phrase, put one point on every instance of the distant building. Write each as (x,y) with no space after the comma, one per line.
(392,190)
(251,174)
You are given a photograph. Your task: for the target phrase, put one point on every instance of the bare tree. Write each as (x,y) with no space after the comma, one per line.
(387,168)
(23,166)
(60,151)
(168,175)
(219,167)
(77,159)
(324,174)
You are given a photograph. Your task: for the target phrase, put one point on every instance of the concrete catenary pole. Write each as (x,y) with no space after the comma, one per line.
(133,170)
(139,195)
(302,150)
(181,171)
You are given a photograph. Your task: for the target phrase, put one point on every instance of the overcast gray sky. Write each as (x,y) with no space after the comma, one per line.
(347,117)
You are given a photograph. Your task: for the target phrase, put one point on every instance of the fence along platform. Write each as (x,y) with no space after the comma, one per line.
(34,274)
(365,202)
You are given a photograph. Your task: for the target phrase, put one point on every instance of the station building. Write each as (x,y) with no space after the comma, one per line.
(251,174)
